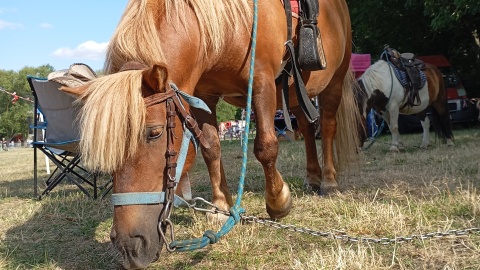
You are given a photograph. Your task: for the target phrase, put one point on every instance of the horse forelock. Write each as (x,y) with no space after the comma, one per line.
(137,38)
(112,120)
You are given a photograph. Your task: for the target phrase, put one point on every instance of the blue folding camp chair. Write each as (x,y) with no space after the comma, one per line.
(60,138)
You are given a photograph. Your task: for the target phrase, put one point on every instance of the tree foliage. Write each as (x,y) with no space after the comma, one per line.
(447,27)
(13,117)
(226,112)
(447,14)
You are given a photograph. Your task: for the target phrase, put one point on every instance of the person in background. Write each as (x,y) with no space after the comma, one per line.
(4,144)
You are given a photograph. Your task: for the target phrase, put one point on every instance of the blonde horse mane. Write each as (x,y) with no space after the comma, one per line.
(377,76)
(113,110)
(137,37)
(112,120)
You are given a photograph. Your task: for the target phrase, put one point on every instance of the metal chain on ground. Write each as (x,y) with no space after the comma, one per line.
(340,235)
(336,234)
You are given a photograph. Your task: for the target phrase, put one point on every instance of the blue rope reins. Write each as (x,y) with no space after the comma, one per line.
(210,237)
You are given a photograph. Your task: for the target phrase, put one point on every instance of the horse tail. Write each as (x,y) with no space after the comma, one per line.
(347,138)
(441,122)
(440,112)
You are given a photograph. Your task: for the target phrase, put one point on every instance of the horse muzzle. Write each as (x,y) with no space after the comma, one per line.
(135,234)
(138,251)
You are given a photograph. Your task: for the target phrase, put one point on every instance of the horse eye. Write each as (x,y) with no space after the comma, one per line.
(154,133)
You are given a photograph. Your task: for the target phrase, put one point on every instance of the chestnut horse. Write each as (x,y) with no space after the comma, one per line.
(387,96)
(203,47)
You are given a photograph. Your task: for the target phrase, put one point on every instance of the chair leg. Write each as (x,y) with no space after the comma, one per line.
(35,181)
(107,187)
(95,185)
(68,167)
(282,132)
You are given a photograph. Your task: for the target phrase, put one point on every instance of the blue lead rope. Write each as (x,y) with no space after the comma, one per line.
(210,237)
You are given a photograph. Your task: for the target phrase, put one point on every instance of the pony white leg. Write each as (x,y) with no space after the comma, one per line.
(450,141)
(426,133)
(478,107)
(392,115)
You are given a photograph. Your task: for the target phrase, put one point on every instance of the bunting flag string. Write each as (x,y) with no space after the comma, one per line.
(15,97)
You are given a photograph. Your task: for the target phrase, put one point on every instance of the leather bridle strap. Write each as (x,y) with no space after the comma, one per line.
(172,98)
(158,98)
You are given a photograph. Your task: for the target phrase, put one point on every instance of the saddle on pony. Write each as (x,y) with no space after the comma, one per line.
(409,72)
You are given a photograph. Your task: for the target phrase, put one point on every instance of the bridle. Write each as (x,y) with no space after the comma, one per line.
(174,160)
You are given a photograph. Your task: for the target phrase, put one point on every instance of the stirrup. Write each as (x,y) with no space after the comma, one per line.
(310,49)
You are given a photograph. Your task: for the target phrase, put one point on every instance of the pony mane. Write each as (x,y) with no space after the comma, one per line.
(112,120)
(136,37)
(377,75)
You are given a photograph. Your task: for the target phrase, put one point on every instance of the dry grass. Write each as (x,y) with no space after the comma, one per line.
(395,194)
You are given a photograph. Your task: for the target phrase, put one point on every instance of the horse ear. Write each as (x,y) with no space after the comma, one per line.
(156,77)
(76,91)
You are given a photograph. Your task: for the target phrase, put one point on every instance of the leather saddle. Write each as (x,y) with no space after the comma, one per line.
(409,72)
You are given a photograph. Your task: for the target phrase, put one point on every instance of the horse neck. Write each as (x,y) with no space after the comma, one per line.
(379,76)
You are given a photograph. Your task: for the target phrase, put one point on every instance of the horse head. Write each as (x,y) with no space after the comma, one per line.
(128,128)
(361,97)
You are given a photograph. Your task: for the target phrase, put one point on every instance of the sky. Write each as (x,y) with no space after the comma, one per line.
(58,33)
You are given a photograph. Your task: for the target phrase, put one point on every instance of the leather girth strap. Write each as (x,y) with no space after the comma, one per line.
(292,69)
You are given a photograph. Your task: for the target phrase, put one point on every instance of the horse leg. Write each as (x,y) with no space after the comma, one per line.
(221,196)
(277,194)
(313,178)
(477,104)
(392,122)
(425,121)
(329,102)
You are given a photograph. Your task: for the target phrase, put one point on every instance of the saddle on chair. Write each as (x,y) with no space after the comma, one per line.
(412,67)
(310,49)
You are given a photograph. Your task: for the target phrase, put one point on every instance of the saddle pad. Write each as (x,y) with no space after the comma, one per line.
(403,79)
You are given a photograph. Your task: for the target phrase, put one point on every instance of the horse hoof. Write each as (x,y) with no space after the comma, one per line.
(394,149)
(279,207)
(324,191)
(216,218)
(312,187)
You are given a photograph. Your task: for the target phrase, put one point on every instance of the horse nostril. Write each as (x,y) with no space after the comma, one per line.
(142,239)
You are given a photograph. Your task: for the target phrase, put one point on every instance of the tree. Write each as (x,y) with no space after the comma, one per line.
(461,20)
(13,117)
(447,14)
(447,27)
(225,111)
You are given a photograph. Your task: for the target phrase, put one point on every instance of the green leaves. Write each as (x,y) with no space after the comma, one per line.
(13,117)
(447,27)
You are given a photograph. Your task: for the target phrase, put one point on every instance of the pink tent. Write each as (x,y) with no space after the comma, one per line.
(360,63)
